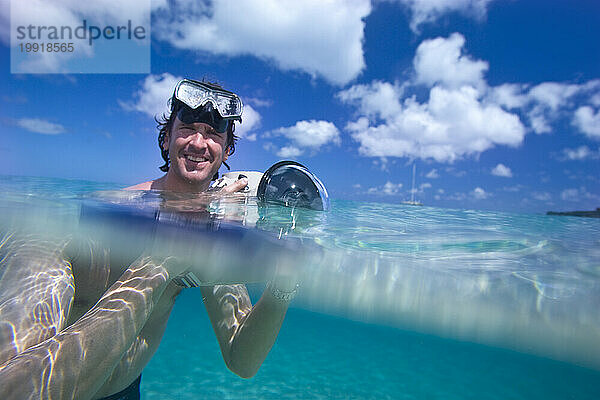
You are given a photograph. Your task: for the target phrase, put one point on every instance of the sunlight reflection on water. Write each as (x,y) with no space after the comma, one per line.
(527,282)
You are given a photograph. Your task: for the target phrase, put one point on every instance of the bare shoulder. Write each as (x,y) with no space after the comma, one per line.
(156,184)
(141,186)
(36,291)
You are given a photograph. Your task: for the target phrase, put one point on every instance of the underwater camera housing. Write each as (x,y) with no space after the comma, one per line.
(288,183)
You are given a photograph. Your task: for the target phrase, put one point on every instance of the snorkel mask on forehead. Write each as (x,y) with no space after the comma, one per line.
(207,103)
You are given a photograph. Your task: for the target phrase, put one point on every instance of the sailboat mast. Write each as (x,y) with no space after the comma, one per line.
(412,196)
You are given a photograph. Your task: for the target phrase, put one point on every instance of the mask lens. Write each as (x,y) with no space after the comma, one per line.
(228,105)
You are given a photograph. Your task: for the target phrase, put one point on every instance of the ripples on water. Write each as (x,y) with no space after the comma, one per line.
(528,282)
(522,281)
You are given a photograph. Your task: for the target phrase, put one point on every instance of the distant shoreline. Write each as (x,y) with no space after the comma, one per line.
(589,214)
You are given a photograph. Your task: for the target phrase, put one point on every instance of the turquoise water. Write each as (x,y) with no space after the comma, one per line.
(318,356)
(406,303)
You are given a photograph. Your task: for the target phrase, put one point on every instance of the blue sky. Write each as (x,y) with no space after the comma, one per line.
(497,102)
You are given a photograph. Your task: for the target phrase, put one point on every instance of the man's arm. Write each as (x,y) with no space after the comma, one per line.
(36,292)
(74,362)
(245,333)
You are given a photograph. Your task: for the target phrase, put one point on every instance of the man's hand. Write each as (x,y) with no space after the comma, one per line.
(237,186)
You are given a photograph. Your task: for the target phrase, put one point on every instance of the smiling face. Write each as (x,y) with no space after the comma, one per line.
(196,151)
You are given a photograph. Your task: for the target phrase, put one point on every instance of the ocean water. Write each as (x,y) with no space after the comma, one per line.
(401,302)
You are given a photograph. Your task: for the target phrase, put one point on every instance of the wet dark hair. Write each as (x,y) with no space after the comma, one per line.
(165,124)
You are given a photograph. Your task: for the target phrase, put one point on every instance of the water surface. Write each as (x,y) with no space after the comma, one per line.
(402,302)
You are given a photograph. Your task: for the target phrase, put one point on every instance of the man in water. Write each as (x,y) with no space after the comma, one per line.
(76,324)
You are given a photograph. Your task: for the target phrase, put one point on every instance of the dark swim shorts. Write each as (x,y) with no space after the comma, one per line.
(132,392)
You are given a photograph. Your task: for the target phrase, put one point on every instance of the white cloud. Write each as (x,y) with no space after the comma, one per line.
(457,173)
(553,94)
(439,61)
(509,95)
(502,170)
(250,121)
(479,194)
(311,135)
(41,126)
(427,11)
(538,121)
(588,121)
(451,125)
(433,174)
(257,102)
(42,13)
(549,100)
(580,153)
(391,188)
(376,100)
(289,152)
(513,189)
(463,116)
(388,189)
(283,32)
(541,196)
(579,194)
(321,38)
(71,12)
(153,96)
(457,196)
(570,195)
(67,13)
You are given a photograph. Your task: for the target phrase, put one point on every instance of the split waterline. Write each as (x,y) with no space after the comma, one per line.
(401,302)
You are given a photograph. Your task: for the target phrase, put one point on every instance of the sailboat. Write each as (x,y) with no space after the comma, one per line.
(412,201)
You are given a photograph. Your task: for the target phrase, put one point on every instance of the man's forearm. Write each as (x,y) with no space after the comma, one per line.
(256,335)
(77,361)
